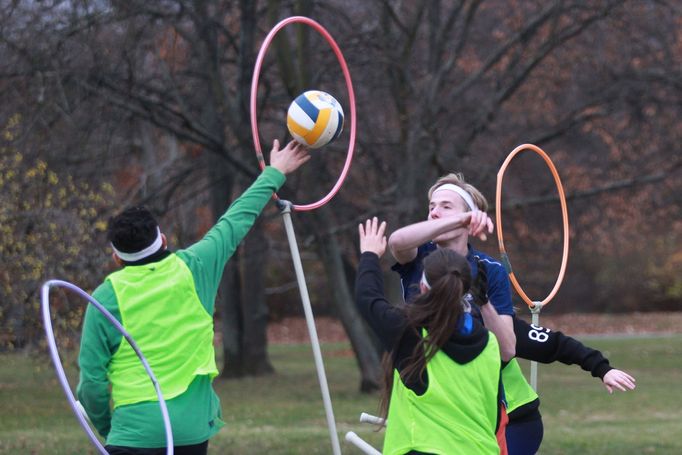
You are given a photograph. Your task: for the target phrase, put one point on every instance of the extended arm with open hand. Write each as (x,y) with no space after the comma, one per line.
(546,346)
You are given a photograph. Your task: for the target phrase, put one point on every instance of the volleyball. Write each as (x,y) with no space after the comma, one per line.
(315,119)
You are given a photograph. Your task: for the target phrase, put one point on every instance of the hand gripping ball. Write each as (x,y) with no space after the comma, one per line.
(315,119)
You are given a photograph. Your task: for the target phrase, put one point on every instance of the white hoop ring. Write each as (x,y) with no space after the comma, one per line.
(61,375)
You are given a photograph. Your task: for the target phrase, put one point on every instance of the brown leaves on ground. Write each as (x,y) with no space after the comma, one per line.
(329,330)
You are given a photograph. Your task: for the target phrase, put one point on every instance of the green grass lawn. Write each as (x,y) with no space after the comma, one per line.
(283,413)
(581,417)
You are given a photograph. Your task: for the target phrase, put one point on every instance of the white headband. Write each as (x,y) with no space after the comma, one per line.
(424,282)
(151,249)
(461,191)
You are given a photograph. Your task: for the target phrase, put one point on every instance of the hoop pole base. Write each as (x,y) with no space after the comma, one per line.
(285,207)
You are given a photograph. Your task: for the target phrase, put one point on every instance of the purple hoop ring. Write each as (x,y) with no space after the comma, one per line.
(351,100)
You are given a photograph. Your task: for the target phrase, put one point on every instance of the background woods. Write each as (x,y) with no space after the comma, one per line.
(109,103)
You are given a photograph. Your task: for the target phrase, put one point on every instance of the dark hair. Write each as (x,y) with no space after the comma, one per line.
(132,230)
(436,310)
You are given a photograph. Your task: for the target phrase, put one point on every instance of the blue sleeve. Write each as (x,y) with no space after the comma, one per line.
(499,290)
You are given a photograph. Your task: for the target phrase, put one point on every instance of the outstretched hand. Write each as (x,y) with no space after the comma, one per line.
(617,379)
(290,158)
(372,238)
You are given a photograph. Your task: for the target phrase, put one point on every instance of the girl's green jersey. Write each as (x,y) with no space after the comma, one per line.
(458,412)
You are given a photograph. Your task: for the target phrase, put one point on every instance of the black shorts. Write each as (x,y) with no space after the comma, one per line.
(195,449)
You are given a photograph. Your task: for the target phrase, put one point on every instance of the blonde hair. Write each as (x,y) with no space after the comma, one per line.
(458,179)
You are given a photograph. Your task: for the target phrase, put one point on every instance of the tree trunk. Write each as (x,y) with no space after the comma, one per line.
(231,320)
(254,308)
(16,333)
(366,353)
(229,295)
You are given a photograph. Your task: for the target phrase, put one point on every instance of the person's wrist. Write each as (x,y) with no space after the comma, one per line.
(602,370)
(278,169)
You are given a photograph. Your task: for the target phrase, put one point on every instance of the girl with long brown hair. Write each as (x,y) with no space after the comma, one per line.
(443,367)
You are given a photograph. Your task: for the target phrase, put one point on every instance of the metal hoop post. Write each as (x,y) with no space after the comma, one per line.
(310,322)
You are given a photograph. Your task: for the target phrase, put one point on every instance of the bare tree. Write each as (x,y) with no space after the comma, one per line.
(153,96)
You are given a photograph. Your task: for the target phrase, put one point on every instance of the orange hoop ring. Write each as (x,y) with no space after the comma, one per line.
(498,214)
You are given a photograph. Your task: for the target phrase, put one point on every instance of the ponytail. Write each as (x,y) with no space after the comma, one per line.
(447,276)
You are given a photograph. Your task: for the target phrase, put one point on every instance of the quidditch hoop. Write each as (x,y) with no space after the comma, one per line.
(47,322)
(564,213)
(351,100)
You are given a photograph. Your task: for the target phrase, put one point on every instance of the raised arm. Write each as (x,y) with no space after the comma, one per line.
(403,243)
(384,319)
(220,242)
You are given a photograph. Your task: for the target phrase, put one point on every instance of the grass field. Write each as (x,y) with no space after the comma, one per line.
(283,413)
